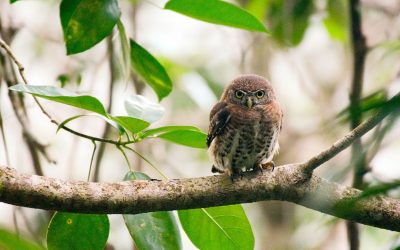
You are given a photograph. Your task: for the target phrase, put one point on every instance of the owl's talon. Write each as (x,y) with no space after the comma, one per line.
(258,168)
(216,170)
(268,165)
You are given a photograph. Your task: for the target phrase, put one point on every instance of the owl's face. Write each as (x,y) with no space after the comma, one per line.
(249,91)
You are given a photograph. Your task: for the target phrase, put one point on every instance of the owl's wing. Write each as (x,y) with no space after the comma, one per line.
(219,117)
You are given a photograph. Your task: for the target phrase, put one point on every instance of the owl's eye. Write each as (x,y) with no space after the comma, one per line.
(260,94)
(239,94)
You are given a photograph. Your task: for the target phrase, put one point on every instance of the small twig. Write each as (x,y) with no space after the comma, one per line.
(14,58)
(346,141)
(21,71)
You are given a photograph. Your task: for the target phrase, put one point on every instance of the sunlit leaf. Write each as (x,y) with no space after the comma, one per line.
(133,125)
(258,8)
(86,22)
(217,228)
(60,95)
(217,12)
(142,108)
(154,230)
(184,135)
(337,20)
(10,240)
(289,20)
(77,231)
(150,70)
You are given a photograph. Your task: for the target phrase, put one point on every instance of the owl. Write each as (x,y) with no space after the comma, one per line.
(244,127)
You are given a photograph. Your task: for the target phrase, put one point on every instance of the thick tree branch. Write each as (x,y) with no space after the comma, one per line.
(287,183)
(293,183)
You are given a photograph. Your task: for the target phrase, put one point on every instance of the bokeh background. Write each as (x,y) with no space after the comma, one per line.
(310,66)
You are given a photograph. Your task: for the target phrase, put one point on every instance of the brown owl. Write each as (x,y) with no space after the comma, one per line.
(244,126)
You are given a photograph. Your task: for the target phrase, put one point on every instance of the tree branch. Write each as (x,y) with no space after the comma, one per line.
(353,135)
(358,158)
(287,183)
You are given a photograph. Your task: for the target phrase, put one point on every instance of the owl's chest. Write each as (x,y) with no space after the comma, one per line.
(245,142)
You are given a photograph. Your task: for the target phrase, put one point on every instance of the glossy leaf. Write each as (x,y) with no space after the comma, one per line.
(77,231)
(217,12)
(150,70)
(337,20)
(257,8)
(289,20)
(142,108)
(10,240)
(131,124)
(154,230)
(184,135)
(86,22)
(217,228)
(60,95)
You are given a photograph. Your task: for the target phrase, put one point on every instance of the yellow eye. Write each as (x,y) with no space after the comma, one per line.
(239,94)
(260,94)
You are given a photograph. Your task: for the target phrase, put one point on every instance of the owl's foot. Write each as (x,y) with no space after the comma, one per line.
(216,170)
(268,165)
(235,173)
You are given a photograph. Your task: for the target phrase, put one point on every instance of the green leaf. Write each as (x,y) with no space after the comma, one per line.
(125,51)
(154,230)
(134,125)
(13,1)
(381,188)
(371,102)
(63,79)
(142,108)
(184,135)
(289,20)
(216,228)
(217,12)
(258,8)
(10,240)
(150,70)
(60,95)
(337,20)
(78,231)
(86,22)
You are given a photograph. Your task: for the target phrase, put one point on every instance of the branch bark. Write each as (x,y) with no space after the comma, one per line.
(286,183)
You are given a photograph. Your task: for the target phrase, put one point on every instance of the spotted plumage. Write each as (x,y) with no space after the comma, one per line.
(244,126)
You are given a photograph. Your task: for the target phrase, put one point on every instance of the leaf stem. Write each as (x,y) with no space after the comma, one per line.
(91,160)
(146,160)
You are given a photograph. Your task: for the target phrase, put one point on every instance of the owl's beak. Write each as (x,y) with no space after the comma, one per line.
(249,102)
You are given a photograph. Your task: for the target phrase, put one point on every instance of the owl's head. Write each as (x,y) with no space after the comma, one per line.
(249,91)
